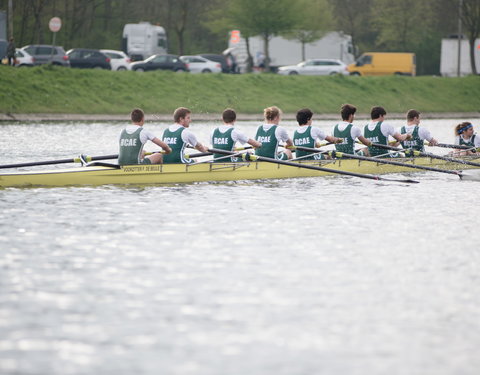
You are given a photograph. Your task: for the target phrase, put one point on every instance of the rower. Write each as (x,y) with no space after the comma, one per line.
(348,132)
(177,136)
(465,136)
(378,131)
(270,135)
(133,138)
(419,134)
(307,135)
(225,136)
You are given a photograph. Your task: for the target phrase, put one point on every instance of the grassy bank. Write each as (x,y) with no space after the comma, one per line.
(60,90)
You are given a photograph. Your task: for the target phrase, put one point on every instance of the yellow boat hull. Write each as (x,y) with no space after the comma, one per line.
(184,173)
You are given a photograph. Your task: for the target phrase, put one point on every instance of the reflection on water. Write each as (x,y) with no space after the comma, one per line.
(317,275)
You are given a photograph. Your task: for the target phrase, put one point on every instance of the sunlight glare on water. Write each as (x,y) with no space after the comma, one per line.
(330,275)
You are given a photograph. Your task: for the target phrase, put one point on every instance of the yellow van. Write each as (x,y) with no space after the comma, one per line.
(384,63)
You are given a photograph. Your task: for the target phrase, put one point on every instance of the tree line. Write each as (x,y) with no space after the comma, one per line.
(196,26)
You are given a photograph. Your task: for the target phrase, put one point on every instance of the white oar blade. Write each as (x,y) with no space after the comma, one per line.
(471,175)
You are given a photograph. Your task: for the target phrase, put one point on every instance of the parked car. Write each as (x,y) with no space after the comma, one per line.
(199,64)
(163,62)
(45,54)
(220,59)
(118,59)
(315,67)
(88,58)
(23,58)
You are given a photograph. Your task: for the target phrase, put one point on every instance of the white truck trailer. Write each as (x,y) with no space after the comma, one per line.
(449,57)
(141,40)
(333,45)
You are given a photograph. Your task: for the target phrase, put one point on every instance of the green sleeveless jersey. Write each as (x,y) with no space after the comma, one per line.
(348,144)
(415,143)
(470,142)
(375,136)
(223,141)
(305,139)
(269,142)
(176,143)
(130,147)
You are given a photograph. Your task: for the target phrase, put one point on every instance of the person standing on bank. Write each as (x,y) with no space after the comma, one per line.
(348,132)
(11,52)
(378,131)
(177,136)
(133,138)
(419,134)
(270,135)
(307,135)
(225,136)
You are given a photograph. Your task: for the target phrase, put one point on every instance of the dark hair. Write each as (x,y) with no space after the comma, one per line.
(376,112)
(229,115)
(180,113)
(304,115)
(137,115)
(347,110)
(411,114)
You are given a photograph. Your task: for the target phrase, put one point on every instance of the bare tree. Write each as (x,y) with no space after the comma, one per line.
(470,15)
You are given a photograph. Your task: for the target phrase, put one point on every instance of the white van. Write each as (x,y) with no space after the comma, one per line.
(141,40)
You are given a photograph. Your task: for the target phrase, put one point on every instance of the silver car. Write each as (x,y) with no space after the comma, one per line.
(199,64)
(45,54)
(315,67)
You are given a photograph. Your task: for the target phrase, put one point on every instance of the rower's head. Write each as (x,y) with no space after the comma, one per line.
(229,116)
(304,116)
(378,113)
(464,129)
(413,117)
(348,111)
(137,116)
(272,114)
(181,116)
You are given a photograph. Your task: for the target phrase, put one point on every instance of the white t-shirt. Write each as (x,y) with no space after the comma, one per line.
(355,132)
(316,133)
(187,135)
(237,136)
(280,133)
(145,135)
(422,132)
(476,141)
(385,128)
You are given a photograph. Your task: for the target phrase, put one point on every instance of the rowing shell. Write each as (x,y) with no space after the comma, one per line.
(184,173)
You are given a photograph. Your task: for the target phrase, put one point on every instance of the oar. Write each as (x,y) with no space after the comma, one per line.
(250,157)
(337,154)
(447,145)
(427,154)
(60,161)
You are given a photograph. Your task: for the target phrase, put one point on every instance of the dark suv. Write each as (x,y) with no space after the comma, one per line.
(88,58)
(165,62)
(45,54)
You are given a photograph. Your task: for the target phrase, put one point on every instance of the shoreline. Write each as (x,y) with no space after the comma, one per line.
(210,117)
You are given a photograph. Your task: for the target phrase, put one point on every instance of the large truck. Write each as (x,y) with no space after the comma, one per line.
(141,40)
(449,57)
(334,45)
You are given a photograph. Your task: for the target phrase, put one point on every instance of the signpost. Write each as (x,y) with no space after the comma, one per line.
(54,25)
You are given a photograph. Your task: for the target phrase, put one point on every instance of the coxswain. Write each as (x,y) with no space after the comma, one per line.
(465,136)
(177,136)
(419,134)
(270,135)
(225,136)
(378,131)
(309,136)
(348,132)
(133,138)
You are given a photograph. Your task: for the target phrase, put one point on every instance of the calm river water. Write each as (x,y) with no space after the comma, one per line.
(303,276)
